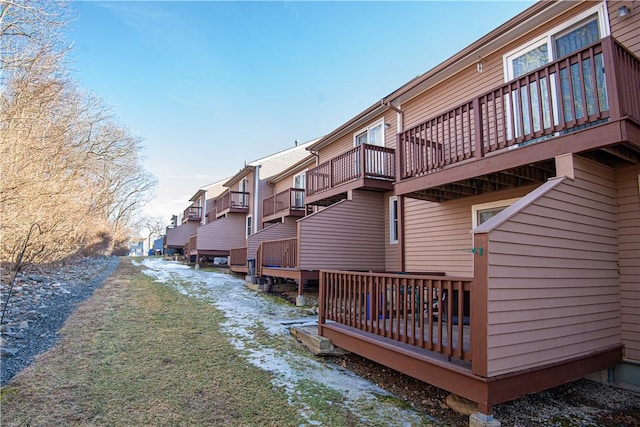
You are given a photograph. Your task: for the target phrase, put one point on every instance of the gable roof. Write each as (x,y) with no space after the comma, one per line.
(296,167)
(273,164)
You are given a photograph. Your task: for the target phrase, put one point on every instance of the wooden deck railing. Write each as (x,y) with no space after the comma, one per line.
(232,199)
(379,163)
(192,213)
(192,245)
(281,253)
(430,312)
(599,82)
(291,199)
(238,256)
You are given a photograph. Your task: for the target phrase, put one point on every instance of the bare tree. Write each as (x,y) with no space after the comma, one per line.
(155,227)
(66,162)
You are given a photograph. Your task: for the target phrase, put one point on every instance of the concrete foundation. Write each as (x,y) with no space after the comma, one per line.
(301,301)
(481,420)
(320,346)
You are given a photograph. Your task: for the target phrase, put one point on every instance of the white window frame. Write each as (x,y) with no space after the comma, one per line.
(600,11)
(603,26)
(293,184)
(249,225)
(394,222)
(303,173)
(367,130)
(490,205)
(243,185)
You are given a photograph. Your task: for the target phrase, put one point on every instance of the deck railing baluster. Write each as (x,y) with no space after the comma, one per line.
(387,305)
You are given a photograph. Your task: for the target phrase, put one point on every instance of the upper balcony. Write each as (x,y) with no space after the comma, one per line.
(192,213)
(232,201)
(286,203)
(509,136)
(364,167)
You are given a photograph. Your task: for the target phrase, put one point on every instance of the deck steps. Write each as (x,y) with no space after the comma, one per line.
(319,346)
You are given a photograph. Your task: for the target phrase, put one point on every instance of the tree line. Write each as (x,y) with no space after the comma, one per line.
(66,163)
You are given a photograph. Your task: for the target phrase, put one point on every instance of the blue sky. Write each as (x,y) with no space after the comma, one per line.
(209,85)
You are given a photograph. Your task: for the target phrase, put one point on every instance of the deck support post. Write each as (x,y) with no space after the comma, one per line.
(300,299)
(482,420)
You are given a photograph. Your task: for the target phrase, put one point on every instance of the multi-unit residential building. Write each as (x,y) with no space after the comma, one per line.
(503,186)
(479,227)
(183,227)
(223,216)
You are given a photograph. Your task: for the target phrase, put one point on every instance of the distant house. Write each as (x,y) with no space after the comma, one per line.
(158,246)
(136,247)
(479,227)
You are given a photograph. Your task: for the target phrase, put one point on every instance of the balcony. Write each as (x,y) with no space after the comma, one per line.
(364,167)
(417,310)
(286,203)
(232,201)
(211,215)
(192,213)
(279,258)
(527,122)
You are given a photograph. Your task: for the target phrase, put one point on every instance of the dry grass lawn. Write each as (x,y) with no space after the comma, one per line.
(141,354)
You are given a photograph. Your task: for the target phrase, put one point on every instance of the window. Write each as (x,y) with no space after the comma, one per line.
(249,225)
(375,160)
(373,135)
(523,114)
(299,182)
(483,212)
(393,220)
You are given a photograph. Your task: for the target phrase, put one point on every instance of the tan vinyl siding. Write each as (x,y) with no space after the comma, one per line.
(223,234)
(390,132)
(437,234)
(629,242)
(348,235)
(334,149)
(345,143)
(284,184)
(285,230)
(179,236)
(626,30)
(469,83)
(553,275)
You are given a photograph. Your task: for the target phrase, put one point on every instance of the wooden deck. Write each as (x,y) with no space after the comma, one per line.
(238,260)
(571,105)
(232,201)
(279,258)
(398,330)
(421,311)
(286,203)
(363,167)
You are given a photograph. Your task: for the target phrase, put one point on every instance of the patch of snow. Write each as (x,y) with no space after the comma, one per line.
(246,311)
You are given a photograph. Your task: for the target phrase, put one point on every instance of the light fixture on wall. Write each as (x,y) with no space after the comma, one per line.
(479,65)
(623,11)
